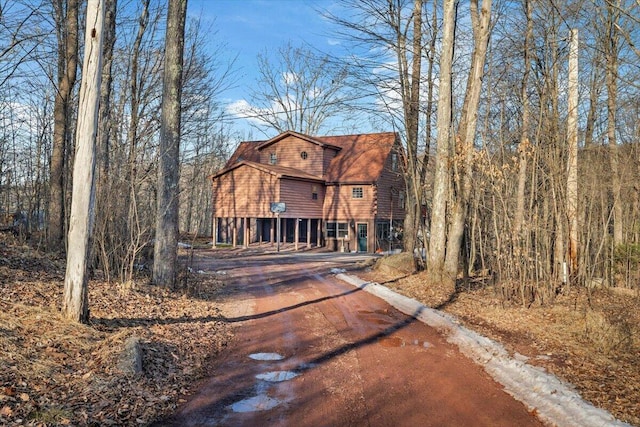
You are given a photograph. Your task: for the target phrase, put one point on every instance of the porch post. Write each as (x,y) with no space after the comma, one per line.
(247,225)
(308,233)
(214,232)
(296,234)
(272,231)
(234,232)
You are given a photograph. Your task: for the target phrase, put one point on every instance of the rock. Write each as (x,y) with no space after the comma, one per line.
(130,361)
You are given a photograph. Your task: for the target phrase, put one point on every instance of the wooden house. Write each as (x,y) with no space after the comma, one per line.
(342,192)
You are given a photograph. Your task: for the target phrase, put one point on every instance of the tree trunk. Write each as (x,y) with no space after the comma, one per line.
(104,128)
(166,242)
(411,104)
(524,136)
(611,56)
(75,304)
(572,161)
(437,228)
(465,149)
(67,20)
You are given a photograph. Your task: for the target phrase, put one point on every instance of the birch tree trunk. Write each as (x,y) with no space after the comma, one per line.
(75,303)
(463,162)
(612,42)
(166,242)
(437,239)
(572,161)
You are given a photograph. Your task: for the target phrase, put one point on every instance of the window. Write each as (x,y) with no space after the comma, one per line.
(401,201)
(331,229)
(394,162)
(314,192)
(273,158)
(357,193)
(304,155)
(341,227)
(343,230)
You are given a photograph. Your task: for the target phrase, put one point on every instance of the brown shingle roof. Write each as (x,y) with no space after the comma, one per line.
(311,139)
(247,150)
(359,158)
(279,171)
(362,157)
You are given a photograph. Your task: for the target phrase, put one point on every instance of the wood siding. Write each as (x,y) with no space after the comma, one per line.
(339,203)
(298,197)
(288,154)
(244,192)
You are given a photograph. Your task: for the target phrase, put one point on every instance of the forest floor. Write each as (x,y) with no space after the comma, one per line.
(55,372)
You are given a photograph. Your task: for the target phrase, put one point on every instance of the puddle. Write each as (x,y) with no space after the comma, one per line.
(399,342)
(257,403)
(266,356)
(277,376)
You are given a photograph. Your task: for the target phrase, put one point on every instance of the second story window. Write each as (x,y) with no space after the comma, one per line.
(357,193)
(314,193)
(273,158)
(394,162)
(304,155)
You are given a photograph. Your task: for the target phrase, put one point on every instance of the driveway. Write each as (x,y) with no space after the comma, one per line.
(311,350)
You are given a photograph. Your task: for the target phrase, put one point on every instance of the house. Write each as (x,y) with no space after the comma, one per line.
(343,192)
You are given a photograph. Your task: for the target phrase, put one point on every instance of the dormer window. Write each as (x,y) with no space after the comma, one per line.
(273,158)
(304,155)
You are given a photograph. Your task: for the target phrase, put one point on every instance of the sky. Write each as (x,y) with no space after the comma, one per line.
(251,27)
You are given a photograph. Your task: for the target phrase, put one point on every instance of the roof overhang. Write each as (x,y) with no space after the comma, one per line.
(299,136)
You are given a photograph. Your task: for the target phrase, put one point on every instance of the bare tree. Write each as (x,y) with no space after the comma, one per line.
(466,135)
(572,158)
(166,242)
(66,12)
(441,186)
(299,91)
(395,31)
(75,301)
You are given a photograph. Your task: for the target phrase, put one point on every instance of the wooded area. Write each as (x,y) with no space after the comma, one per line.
(480,92)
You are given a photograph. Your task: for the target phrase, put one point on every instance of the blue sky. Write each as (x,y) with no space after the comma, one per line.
(248,27)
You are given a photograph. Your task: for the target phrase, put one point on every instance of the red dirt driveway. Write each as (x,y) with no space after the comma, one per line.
(311,350)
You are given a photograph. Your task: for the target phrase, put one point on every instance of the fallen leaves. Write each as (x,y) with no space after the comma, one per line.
(56,372)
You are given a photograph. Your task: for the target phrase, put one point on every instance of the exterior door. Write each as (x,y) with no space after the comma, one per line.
(362,237)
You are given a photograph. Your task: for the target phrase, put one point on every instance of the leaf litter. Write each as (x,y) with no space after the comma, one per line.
(57,372)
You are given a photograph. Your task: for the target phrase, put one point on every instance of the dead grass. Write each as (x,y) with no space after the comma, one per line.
(589,338)
(55,372)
